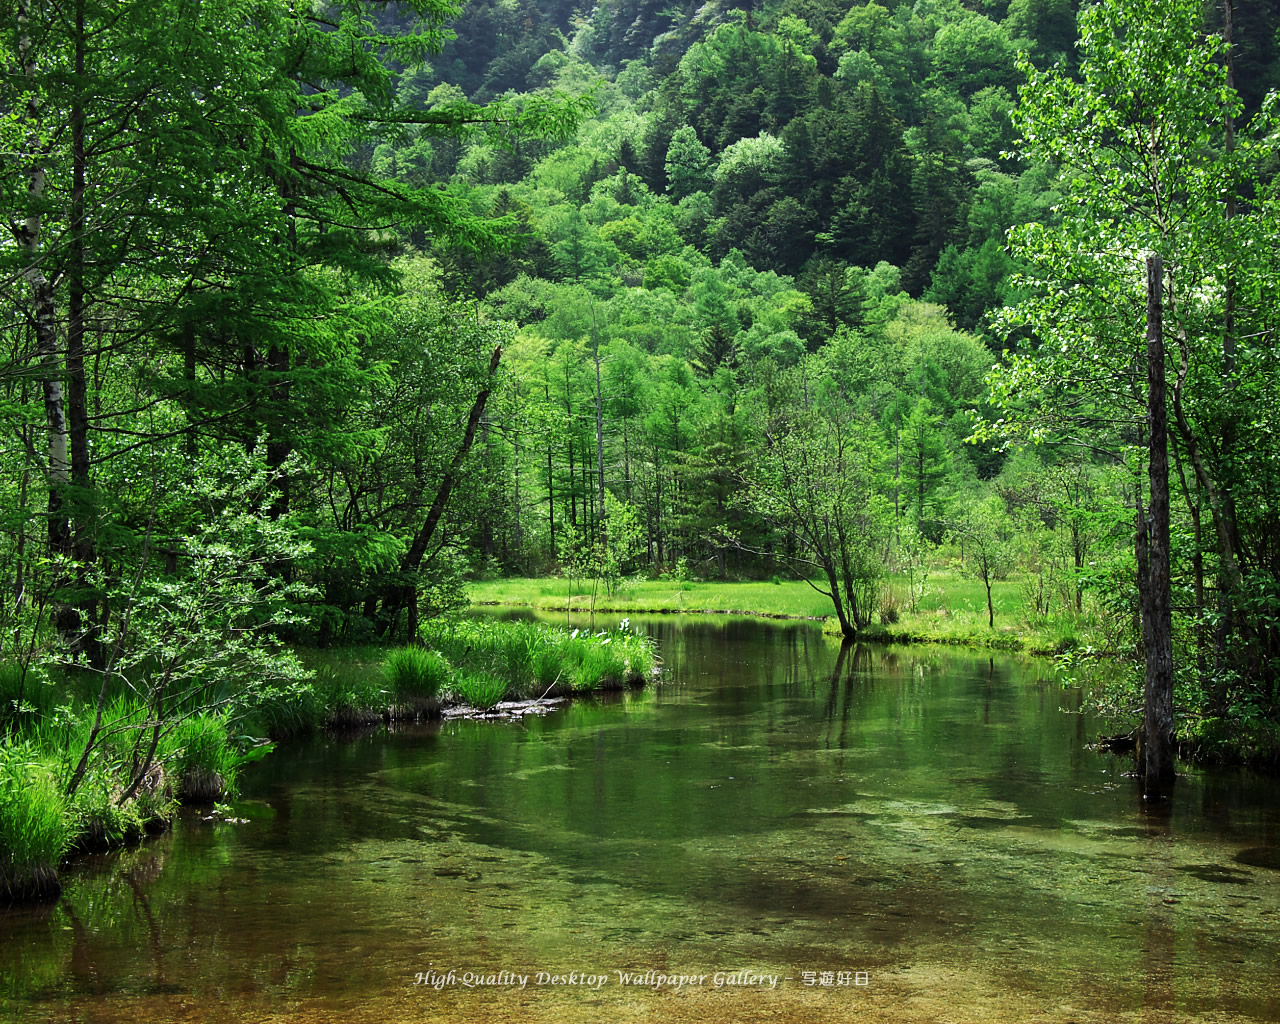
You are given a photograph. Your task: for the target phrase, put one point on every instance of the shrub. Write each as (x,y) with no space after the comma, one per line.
(99,822)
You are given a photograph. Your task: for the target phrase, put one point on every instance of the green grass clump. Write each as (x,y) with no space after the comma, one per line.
(35,830)
(202,759)
(534,660)
(281,711)
(26,697)
(416,674)
(603,666)
(478,691)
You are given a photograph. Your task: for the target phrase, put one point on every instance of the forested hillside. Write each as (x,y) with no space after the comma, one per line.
(314,316)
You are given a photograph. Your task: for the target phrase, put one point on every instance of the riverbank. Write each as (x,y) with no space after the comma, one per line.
(463,668)
(952,610)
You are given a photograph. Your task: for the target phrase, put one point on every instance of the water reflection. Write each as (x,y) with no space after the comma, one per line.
(779,802)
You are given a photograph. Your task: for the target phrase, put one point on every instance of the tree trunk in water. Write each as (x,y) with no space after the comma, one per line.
(1156,751)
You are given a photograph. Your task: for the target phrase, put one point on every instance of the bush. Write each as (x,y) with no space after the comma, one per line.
(99,822)
(35,832)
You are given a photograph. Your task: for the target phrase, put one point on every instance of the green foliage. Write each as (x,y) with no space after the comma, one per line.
(478,691)
(35,831)
(530,660)
(415,673)
(984,534)
(1154,161)
(282,710)
(202,760)
(816,481)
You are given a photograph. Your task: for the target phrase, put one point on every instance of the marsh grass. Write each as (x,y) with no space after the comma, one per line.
(533,660)
(478,691)
(201,757)
(417,676)
(283,711)
(603,666)
(951,610)
(784,599)
(26,697)
(35,831)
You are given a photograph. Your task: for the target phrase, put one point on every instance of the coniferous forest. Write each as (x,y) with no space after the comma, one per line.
(314,314)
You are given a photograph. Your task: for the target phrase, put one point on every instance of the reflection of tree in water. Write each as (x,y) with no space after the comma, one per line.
(1158,990)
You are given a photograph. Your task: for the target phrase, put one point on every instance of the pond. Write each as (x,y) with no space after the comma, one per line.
(776,832)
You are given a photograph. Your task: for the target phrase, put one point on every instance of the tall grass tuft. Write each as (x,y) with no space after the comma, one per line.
(535,660)
(26,697)
(602,667)
(479,691)
(202,759)
(281,711)
(417,676)
(34,827)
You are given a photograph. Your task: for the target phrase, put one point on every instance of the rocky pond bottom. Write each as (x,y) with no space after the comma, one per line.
(776,833)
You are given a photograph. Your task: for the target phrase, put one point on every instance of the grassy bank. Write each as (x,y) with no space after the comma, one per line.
(952,610)
(788,600)
(45,723)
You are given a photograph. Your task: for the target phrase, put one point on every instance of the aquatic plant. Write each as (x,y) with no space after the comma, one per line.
(479,691)
(202,759)
(533,659)
(416,673)
(34,827)
(603,665)
(280,711)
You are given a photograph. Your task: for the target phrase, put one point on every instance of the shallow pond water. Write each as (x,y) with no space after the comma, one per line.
(891,834)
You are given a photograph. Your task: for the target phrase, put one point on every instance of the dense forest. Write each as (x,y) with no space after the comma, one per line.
(312,315)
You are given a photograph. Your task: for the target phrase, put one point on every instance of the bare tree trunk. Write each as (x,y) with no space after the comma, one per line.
(595,344)
(405,594)
(44,322)
(551,485)
(1156,752)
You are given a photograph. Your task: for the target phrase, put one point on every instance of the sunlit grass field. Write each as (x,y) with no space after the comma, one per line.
(794,600)
(952,609)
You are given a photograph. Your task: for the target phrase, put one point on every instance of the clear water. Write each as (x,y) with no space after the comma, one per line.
(924,821)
